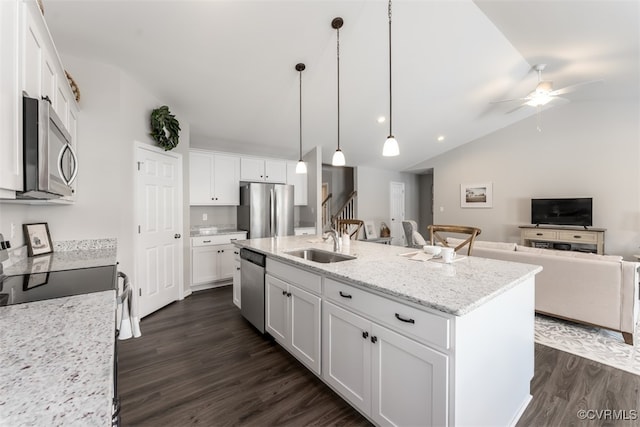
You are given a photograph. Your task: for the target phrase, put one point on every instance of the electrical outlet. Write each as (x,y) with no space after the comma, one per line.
(204,216)
(441,208)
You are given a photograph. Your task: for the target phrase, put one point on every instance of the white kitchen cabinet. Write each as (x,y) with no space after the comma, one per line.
(214,178)
(213,259)
(299,182)
(236,278)
(10,101)
(389,377)
(255,169)
(292,317)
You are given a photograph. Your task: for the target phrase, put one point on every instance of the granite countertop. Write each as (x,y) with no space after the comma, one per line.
(56,361)
(455,288)
(217,232)
(65,260)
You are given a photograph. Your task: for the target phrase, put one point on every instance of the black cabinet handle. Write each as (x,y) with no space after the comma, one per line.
(538,234)
(235,252)
(237,268)
(365,334)
(402,319)
(206,241)
(289,294)
(284,292)
(343,295)
(374,339)
(577,237)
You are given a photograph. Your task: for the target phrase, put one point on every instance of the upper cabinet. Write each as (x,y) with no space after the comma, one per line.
(299,182)
(10,101)
(30,64)
(263,170)
(214,178)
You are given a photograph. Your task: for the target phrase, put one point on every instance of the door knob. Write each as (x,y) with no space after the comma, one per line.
(176,236)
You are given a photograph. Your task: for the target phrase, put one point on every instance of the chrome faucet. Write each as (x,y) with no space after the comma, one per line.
(337,243)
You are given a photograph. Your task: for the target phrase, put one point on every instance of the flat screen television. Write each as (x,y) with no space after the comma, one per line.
(576,211)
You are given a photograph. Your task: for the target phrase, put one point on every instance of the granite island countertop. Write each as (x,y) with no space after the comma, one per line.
(455,288)
(56,361)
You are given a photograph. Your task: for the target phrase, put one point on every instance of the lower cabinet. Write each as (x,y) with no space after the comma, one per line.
(212,263)
(392,379)
(292,317)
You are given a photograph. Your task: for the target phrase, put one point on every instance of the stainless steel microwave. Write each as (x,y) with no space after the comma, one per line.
(50,163)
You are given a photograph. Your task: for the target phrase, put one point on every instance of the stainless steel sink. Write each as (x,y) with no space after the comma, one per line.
(318,255)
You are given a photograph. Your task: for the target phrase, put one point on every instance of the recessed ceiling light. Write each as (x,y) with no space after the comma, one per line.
(382,119)
(440,138)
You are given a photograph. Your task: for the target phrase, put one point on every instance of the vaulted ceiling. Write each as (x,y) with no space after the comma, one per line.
(227,66)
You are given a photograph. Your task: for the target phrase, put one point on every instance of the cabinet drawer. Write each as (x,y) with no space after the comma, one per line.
(577,236)
(541,234)
(216,239)
(301,278)
(425,327)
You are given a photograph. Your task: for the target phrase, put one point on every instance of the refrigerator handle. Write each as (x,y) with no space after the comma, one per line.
(272,205)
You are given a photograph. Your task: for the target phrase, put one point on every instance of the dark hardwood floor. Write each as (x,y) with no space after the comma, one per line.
(200,363)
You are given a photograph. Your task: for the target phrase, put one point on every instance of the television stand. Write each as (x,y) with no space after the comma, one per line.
(563,238)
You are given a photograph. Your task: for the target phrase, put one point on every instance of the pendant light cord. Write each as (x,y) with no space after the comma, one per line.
(390,92)
(338,56)
(300,72)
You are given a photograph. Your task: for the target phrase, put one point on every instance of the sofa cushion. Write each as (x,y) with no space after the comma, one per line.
(570,254)
(484,244)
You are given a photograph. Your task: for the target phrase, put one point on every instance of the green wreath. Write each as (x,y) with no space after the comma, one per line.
(165,128)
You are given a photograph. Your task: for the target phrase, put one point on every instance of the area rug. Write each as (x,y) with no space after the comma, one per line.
(593,343)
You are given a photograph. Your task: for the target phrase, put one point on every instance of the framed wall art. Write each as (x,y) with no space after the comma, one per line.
(37,238)
(476,195)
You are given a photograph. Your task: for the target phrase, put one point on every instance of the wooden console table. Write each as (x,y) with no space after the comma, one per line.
(590,240)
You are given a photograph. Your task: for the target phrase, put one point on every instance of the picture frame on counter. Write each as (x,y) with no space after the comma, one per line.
(37,238)
(370,230)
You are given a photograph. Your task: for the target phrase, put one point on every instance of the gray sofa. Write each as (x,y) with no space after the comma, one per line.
(599,290)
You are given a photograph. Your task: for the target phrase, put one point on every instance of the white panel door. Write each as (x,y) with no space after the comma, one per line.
(396,214)
(159,240)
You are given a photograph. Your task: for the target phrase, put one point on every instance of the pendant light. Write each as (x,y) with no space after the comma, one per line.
(390,147)
(301,167)
(338,156)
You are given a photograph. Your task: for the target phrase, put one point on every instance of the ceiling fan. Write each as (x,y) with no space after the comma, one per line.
(544,94)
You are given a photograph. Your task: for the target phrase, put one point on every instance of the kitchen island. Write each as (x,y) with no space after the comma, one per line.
(406,342)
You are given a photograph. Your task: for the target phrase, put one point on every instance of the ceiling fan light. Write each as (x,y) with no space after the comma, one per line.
(338,158)
(538,100)
(301,167)
(390,147)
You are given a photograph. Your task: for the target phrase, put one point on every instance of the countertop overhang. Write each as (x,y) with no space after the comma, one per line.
(455,288)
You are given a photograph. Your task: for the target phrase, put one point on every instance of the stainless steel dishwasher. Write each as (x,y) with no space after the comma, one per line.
(252,287)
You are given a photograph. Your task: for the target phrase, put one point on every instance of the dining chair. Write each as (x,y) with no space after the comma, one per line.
(436,236)
(350,226)
(412,237)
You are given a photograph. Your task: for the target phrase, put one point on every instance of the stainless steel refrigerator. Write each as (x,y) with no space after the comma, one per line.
(266,210)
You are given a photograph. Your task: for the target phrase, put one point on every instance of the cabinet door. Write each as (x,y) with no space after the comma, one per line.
(409,381)
(32,56)
(304,340)
(251,169)
(275,171)
(346,355)
(226,261)
(10,101)
(200,179)
(62,104)
(226,179)
(276,309)
(49,83)
(204,264)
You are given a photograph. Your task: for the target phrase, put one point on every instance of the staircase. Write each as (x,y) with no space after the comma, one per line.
(346,211)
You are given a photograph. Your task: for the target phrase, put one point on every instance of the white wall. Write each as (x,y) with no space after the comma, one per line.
(114,112)
(373,186)
(584,149)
